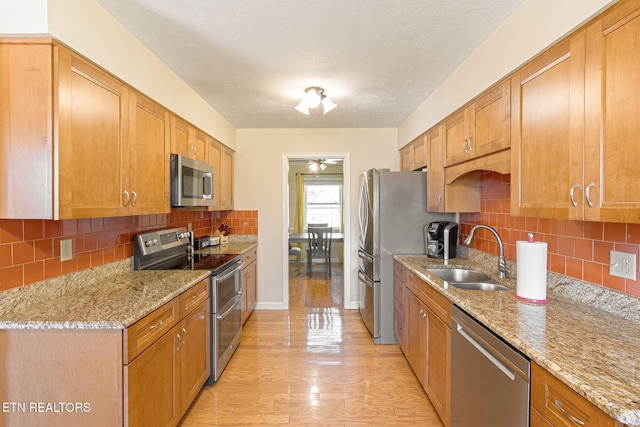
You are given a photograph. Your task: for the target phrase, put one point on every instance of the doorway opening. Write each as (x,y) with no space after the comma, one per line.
(316,192)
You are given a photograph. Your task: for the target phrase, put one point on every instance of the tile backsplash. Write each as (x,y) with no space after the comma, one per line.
(30,249)
(578,249)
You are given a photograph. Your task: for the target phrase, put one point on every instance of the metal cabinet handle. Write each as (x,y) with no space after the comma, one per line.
(465,145)
(156,326)
(126,198)
(470,144)
(573,200)
(135,199)
(179,342)
(587,193)
(568,415)
(439,200)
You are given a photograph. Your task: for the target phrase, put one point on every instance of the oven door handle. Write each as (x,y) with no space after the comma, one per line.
(232,305)
(230,273)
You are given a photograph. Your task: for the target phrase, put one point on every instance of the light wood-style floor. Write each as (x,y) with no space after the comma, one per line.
(314,364)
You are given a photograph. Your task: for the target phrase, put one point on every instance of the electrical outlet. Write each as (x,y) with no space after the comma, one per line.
(188,226)
(622,264)
(66,249)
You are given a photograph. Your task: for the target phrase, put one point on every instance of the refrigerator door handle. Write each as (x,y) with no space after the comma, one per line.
(365,256)
(363,213)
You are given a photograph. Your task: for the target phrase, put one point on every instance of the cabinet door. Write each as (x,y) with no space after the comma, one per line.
(456,137)
(215,160)
(400,296)
(250,280)
(419,150)
(226,186)
(435,171)
(195,353)
(180,138)
(406,162)
(200,145)
(26,144)
(147,160)
(417,336)
(92,139)
(547,133)
(438,385)
(612,175)
(152,382)
(491,121)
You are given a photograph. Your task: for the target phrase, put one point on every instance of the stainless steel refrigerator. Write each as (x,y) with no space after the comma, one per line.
(392,213)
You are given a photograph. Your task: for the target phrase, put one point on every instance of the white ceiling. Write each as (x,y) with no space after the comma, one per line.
(252,59)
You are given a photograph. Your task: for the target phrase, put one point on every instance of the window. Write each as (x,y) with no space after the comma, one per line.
(323,201)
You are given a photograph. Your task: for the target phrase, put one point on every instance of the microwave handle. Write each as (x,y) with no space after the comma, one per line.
(207,190)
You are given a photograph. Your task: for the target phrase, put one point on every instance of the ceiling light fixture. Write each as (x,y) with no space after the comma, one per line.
(313,96)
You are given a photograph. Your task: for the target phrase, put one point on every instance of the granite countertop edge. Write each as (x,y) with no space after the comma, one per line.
(578,360)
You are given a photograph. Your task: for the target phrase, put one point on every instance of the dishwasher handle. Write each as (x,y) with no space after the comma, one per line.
(486,353)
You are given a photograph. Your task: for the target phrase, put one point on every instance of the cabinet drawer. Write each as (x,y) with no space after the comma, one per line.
(147,330)
(193,296)
(557,403)
(249,257)
(437,302)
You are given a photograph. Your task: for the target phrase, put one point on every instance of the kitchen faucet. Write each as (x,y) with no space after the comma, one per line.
(502,264)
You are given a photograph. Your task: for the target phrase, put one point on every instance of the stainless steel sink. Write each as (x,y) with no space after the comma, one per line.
(452,275)
(479,286)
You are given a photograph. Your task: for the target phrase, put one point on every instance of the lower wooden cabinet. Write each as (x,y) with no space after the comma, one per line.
(417,330)
(426,341)
(163,380)
(555,404)
(249,283)
(151,384)
(400,311)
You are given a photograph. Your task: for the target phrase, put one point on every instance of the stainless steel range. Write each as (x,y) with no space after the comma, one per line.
(172,250)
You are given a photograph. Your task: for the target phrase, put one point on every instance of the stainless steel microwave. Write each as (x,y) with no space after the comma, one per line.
(191,182)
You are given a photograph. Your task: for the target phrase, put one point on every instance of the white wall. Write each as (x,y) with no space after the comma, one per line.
(534,26)
(259,182)
(87,28)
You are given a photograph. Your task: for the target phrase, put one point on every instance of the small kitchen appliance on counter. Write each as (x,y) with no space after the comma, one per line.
(435,235)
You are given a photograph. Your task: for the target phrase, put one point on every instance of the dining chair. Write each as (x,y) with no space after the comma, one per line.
(319,247)
(295,252)
(318,224)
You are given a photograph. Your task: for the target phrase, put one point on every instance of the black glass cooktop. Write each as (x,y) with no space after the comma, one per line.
(215,263)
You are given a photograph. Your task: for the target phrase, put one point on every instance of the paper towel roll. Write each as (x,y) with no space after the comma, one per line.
(531,263)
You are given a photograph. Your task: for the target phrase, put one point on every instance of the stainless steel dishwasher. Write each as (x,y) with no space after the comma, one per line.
(489,378)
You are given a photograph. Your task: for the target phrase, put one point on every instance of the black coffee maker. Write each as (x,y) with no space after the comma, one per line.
(434,238)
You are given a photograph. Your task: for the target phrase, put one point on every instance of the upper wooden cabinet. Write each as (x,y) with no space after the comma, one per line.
(482,128)
(610,190)
(76,142)
(413,156)
(147,159)
(547,132)
(435,171)
(221,158)
(188,141)
(575,112)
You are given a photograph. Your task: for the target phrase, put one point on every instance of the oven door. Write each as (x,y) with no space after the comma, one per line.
(226,319)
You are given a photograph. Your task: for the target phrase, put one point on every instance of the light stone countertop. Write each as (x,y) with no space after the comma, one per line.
(106,297)
(591,347)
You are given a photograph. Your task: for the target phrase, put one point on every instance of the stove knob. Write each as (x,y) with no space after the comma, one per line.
(148,243)
(155,242)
